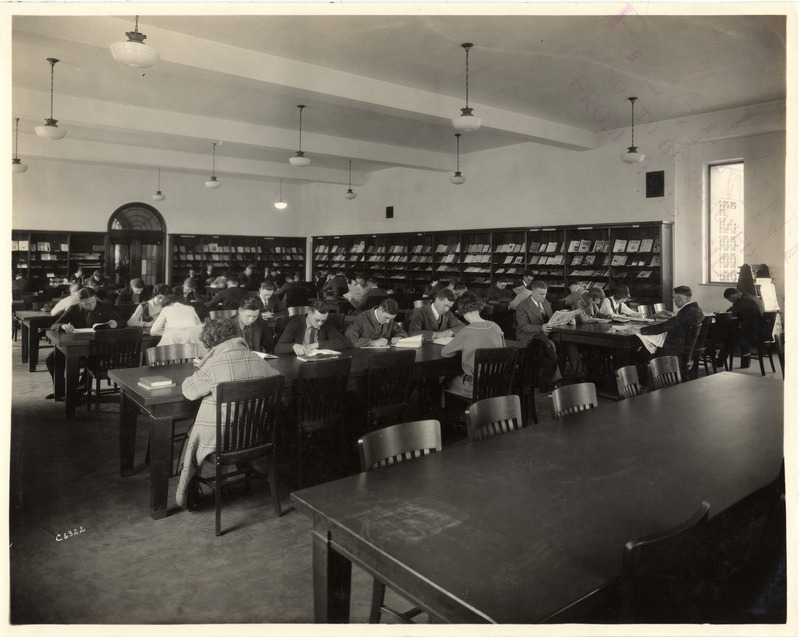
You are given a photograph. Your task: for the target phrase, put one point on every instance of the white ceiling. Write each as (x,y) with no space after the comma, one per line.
(379,89)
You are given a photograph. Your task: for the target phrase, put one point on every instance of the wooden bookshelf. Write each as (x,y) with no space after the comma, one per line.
(48,259)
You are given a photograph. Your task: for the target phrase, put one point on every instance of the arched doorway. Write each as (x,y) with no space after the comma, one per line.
(135,244)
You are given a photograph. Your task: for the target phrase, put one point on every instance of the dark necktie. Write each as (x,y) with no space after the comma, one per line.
(441,322)
(248,335)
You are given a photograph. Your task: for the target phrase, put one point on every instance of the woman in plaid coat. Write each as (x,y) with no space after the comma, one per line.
(228,359)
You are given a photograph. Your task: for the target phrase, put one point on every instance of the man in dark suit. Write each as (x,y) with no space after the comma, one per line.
(532,315)
(247,279)
(133,293)
(436,320)
(293,292)
(678,327)
(188,292)
(251,327)
(376,328)
(85,313)
(748,310)
(229,297)
(269,299)
(311,331)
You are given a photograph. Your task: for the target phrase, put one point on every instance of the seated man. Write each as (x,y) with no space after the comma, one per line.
(67,301)
(436,320)
(132,293)
(247,279)
(617,305)
(229,297)
(748,310)
(85,313)
(499,293)
(251,327)
(372,295)
(377,327)
(188,292)
(676,328)
(303,334)
(532,315)
(269,299)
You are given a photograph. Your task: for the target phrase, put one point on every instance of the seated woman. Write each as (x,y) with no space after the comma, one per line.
(478,333)
(228,359)
(147,312)
(178,323)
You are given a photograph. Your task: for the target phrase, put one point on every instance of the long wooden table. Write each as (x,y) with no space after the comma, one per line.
(163,406)
(72,347)
(600,335)
(33,322)
(518,527)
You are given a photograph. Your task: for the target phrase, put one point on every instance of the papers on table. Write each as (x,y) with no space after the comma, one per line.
(562,317)
(443,340)
(317,355)
(375,347)
(410,341)
(265,355)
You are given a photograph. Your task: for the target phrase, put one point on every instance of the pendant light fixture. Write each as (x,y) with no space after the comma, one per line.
(457,177)
(134,52)
(299,158)
(281,204)
(213,183)
(633,156)
(16,165)
(350,194)
(467,122)
(50,130)
(159,196)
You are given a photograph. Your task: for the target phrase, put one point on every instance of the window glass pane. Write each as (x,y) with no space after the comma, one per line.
(725,222)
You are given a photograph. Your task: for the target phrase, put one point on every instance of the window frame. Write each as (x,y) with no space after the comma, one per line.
(709,276)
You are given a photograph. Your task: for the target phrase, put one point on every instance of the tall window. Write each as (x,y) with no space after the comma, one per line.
(725,237)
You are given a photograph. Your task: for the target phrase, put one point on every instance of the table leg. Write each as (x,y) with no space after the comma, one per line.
(33,348)
(25,344)
(58,376)
(160,458)
(331,581)
(128,414)
(73,372)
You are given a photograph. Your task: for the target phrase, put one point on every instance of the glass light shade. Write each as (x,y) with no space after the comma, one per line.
(632,157)
(213,183)
(457,179)
(350,194)
(299,159)
(466,122)
(135,54)
(17,166)
(159,196)
(51,130)
(281,205)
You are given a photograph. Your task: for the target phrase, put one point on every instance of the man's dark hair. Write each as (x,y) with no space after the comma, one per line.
(251,302)
(729,292)
(446,294)
(319,305)
(161,288)
(538,284)
(137,283)
(268,284)
(389,305)
(86,293)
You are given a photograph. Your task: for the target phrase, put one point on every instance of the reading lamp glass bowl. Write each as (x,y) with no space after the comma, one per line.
(135,54)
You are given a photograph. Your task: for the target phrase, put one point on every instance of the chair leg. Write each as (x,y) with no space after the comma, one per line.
(273,485)
(378,593)
(218,502)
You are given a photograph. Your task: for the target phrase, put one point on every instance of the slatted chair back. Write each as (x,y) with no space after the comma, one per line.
(665,371)
(170,354)
(494,370)
(493,416)
(525,382)
(387,386)
(246,414)
(692,333)
(765,339)
(645,310)
(703,352)
(659,307)
(421,303)
(399,443)
(628,382)
(319,399)
(573,399)
(298,310)
(222,313)
(110,349)
(659,571)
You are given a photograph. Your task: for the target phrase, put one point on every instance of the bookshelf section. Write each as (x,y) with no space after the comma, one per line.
(587,259)
(47,259)
(638,254)
(232,253)
(476,261)
(546,255)
(508,255)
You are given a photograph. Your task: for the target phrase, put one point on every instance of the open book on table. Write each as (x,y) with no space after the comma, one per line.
(318,355)
(409,341)
(93,328)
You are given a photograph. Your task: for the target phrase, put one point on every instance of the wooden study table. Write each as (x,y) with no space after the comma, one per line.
(600,335)
(32,323)
(518,527)
(72,347)
(163,406)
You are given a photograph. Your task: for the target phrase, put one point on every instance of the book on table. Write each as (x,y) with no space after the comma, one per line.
(155,382)
(93,328)
(318,355)
(409,341)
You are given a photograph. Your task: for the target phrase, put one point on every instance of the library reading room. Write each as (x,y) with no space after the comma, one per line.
(361,316)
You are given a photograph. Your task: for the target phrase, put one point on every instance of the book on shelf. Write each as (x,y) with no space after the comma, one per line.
(633,245)
(619,259)
(574,246)
(23,245)
(585,246)
(656,247)
(619,245)
(558,259)
(589,259)
(646,245)
(645,274)
(577,260)
(552,246)
(14,245)
(655,262)
(533,247)
(599,246)
(155,382)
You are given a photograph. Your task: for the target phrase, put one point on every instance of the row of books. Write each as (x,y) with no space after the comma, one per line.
(215,248)
(557,259)
(637,245)
(386,249)
(545,246)
(445,248)
(622,259)
(644,274)
(585,245)
(509,260)
(594,274)
(589,259)
(39,246)
(509,247)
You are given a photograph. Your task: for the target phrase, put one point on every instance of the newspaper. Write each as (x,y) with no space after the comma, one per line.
(562,317)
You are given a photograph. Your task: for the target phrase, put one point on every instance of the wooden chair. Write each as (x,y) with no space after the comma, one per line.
(692,333)
(222,313)
(703,352)
(421,303)
(111,349)
(573,399)
(645,310)
(665,371)
(493,376)
(298,310)
(765,339)
(659,307)
(525,381)
(319,400)
(159,356)
(723,329)
(658,572)
(246,428)
(387,387)
(628,382)
(386,447)
(493,416)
